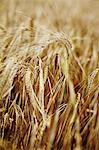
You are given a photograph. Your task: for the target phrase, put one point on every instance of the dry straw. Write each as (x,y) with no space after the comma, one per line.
(49,83)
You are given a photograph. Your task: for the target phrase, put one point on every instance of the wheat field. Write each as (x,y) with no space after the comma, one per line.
(49,75)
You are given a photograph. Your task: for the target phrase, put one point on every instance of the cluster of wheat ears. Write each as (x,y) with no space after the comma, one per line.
(49,75)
